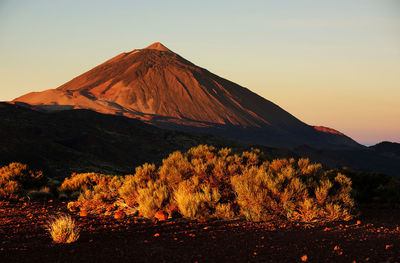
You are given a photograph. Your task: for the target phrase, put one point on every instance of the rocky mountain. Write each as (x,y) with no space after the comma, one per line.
(161,88)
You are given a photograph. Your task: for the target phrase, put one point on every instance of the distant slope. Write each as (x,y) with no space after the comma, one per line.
(69,141)
(81,140)
(367,159)
(161,88)
(389,149)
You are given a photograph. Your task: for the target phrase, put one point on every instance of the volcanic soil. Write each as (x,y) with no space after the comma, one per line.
(372,237)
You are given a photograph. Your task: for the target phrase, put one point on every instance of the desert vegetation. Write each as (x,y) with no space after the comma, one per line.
(206,182)
(17,179)
(63,229)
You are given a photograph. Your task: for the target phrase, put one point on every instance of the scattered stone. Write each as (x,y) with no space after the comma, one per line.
(110,208)
(336,248)
(83,213)
(201,220)
(161,216)
(119,215)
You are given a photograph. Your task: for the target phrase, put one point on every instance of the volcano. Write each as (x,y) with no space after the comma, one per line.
(161,88)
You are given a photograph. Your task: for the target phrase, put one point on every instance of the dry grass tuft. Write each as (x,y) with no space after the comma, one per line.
(63,229)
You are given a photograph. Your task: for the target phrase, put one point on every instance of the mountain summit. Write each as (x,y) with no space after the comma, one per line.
(158,46)
(160,87)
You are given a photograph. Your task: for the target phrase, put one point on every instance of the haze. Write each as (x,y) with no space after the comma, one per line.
(330,63)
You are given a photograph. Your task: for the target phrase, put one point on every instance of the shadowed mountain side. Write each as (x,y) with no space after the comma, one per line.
(388,149)
(160,87)
(69,141)
(82,140)
(367,159)
(268,136)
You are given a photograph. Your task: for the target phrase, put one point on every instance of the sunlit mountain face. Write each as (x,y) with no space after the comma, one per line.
(162,88)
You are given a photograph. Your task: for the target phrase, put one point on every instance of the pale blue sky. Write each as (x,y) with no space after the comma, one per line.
(331,63)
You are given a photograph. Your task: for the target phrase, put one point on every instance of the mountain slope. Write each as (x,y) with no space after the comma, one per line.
(161,88)
(69,141)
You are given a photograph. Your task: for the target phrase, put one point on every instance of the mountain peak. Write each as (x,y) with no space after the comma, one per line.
(158,46)
(168,91)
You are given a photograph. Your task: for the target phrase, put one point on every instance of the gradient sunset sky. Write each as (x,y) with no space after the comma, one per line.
(331,63)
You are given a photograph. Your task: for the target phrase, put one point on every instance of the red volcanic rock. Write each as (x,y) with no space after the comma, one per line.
(201,220)
(83,213)
(72,206)
(110,208)
(161,216)
(119,215)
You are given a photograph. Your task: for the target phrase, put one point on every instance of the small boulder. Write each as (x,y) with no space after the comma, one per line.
(161,216)
(72,206)
(119,214)
(110,208)
(83,213)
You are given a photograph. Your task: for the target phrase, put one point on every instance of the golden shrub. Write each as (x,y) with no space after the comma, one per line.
(63,229)
(196,200)
(207,183)
(301,192)
(83,181)
(16,179)
(152,198)
(9,189)
(132,183)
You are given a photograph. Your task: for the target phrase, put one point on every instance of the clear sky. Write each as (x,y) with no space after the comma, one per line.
(334,63)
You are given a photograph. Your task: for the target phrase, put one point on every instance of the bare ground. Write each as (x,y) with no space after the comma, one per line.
(23,238)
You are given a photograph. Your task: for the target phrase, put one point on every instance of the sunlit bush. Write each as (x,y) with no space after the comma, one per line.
(129,189)
(16,179)
(83,181)
(151,198)
(206,183)
(294,191)
(198,200)
(100,196)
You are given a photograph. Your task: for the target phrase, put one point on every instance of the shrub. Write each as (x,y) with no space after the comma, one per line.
(208,183)
(16,179)
(102,195)
(63,229)
(83,181)
(129,189)
(294,191)
(198,200)
(152,198)
(369,187)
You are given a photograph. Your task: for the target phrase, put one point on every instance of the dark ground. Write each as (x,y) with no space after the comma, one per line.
(104,239)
